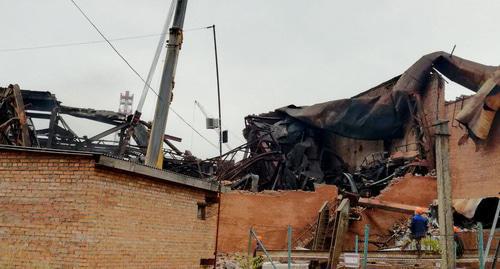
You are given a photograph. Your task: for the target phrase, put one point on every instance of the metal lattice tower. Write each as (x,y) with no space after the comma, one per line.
(125,107)
(126,102)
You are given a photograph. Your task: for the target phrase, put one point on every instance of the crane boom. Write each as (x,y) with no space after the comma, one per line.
(147,84)
(166,86)
(154,63)
(202,109)
(207,116)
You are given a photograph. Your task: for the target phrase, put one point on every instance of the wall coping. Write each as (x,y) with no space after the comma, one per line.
(128,166)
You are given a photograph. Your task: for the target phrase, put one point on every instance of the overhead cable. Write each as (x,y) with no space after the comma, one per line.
(135,72)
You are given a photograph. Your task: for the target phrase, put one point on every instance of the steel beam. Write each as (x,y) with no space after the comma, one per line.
(52,125)
(492,231)
(109,131)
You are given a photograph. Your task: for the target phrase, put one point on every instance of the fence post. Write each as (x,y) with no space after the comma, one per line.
(492,233)
(480,247)
(365,246)
(289,247)
(263,248)
(356,244)
(249,246)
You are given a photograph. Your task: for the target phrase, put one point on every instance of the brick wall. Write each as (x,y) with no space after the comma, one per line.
(65,212)
(409,190)
(475,171)
(269,213)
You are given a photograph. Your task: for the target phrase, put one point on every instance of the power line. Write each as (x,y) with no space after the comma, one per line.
(196,131)
(90,42)
(112,47)
(135,72)
(70,44)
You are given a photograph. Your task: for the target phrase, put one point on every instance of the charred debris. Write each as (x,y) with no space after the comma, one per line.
(359,144)
(362,143)
(20,109)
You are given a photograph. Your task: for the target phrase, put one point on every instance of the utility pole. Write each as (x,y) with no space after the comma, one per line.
(155,143)
(444,196)
(218,88)
(219,164)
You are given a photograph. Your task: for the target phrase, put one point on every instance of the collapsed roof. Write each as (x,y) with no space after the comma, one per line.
(383,117)
(293,147)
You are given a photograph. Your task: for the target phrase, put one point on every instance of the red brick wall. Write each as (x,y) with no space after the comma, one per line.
(270,213)
(64,212)
(410,190)
(475,171)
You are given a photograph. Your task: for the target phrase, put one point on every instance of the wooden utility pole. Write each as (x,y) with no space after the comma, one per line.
(444,196)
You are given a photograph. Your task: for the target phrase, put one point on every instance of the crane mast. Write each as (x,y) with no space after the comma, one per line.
(155,143)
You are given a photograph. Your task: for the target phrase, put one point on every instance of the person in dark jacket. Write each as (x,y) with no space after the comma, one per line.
(418,227)
(459,243)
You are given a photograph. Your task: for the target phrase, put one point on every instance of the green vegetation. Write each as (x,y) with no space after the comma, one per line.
(431,244)
(246,262)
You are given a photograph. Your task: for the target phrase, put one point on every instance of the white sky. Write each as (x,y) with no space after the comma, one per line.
(271,53)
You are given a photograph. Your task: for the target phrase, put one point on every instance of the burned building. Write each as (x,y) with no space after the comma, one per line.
(378,148)
(360,144)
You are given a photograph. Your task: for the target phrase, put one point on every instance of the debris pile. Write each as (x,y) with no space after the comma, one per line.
(294,147)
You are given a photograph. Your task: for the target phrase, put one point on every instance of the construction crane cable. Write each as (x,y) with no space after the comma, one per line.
(137,73)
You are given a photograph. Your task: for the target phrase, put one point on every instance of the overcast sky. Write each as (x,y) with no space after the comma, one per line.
(272,53)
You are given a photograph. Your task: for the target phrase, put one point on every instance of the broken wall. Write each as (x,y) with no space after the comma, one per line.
(269,213)
(409,190)
(431,109)
(474,170)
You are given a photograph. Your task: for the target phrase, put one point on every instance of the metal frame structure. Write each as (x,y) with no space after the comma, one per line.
(21,109)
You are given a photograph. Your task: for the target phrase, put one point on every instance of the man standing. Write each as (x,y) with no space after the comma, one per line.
(459,243)
(418,227)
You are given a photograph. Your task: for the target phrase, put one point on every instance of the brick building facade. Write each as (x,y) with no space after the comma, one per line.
(474,169)
(76,210)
